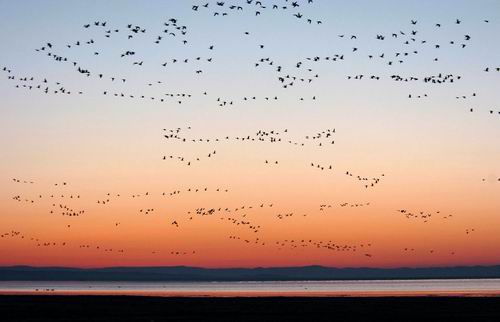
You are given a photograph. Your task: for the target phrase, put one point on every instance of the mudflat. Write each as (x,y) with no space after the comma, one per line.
(148,308)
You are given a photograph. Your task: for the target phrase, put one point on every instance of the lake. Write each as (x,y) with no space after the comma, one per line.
(448,287)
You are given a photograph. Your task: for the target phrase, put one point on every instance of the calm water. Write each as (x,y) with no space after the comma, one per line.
(379,287)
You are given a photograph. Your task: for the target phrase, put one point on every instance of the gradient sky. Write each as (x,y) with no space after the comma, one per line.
(433,152)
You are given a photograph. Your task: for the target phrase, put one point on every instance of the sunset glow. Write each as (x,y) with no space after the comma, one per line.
(332,170)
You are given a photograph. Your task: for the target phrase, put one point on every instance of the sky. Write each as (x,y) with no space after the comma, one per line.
(427,154)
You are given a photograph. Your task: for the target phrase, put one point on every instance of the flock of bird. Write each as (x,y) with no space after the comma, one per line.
(276,136)
(242,217)
(423,215)
(288,76)
(255,7)
(407,46)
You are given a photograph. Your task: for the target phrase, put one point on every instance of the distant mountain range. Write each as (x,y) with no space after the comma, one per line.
(185,273)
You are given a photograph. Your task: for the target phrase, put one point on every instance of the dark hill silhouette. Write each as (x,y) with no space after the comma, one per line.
(184,273)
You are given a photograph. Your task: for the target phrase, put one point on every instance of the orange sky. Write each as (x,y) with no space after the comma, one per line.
(429,155)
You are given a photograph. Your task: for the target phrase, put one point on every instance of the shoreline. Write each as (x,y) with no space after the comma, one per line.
(256,294)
